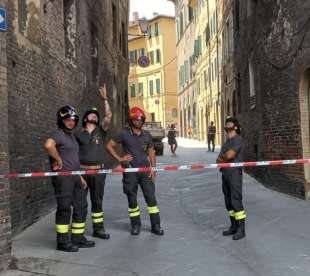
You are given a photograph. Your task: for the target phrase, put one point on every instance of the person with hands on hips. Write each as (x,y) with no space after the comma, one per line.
(70,191)
(139,152)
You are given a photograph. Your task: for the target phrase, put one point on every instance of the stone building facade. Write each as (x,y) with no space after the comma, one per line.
(272,58)
(54,53)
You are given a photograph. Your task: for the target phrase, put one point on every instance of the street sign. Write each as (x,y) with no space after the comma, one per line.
(3,22)
(144,61)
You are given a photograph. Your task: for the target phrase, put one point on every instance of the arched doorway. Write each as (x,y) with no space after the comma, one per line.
(304,102)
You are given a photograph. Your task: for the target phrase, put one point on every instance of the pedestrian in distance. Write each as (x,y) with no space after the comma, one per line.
(172,141)
(63,150)
(139,152)
(232,151)
(92,140)
(211,136)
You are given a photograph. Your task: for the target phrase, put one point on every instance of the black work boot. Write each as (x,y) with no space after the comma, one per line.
(156,229)
(135,229)
(240,232)
(155,222)
(64,243)
(232,229)
(99,231)
(67,247)
(135,225)
(81,241)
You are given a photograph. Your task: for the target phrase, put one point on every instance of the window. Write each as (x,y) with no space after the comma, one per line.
(181,24)
(133,57)
(207,34)
(141,52)
(209,73)
(140,89)
(198,86)
(174,113)
(158,56)
(196,49)
(213,24)
(180,78)
(151,54)
(158,86)
(156,29)
(114,25)
(94,50)
(205,79)
(124,45)
(199,45)
(133,90)
(237,15)
(190,13)
(153,117)
(70,30)
(186,66)
(151,87)
(215,69)
(150,31)
(29,18)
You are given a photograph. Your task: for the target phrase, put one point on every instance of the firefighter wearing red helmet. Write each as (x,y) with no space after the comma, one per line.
(139,152)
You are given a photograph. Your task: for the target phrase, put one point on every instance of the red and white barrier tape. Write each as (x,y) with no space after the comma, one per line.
(158,168)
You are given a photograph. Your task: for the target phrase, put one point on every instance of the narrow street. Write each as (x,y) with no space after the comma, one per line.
(193,217)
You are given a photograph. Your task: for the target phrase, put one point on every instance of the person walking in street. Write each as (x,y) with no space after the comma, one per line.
(63,150)
(231,152)
(91,140)
(211,136)
(139,152)
(172,141)
(190,132)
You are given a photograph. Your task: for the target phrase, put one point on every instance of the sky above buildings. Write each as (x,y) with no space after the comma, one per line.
(146,8)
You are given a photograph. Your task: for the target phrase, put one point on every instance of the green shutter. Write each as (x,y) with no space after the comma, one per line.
(199,46)
(158,86)
(133,90)
(151,87)
(196,49)
(157,56)
(141,89)
(207,33)
(156,29)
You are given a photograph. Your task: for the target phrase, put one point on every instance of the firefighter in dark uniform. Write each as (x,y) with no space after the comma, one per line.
(92,141)
(231,152)
(139,152)
(63,150)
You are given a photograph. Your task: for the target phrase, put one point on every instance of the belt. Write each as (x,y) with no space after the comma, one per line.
(92,167)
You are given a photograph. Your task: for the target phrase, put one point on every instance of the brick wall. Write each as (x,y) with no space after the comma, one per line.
(274,36)
(58,52)
(5,227)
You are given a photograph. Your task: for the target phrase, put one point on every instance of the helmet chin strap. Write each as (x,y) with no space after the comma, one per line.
(67,130)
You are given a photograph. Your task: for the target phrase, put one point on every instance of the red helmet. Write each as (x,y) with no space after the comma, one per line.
(136,113)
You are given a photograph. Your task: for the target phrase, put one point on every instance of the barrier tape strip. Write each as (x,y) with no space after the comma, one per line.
(197,166)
